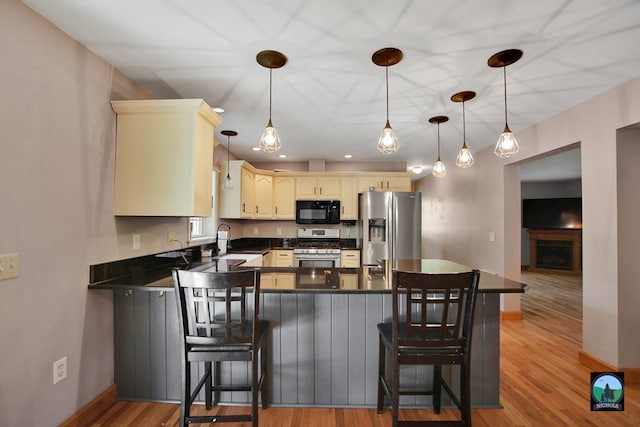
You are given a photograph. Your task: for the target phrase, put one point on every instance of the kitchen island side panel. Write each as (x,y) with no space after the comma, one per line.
(323,350)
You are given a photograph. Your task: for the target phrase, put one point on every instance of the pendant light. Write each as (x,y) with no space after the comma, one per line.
(270,141)
(464,158)
(388,141)
(228,185)
(439,170)
(507,145)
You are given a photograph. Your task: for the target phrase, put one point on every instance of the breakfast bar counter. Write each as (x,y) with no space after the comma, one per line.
(323,345)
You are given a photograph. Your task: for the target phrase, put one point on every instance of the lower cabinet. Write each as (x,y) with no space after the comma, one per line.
(282,258)
(350,258)
(278,280)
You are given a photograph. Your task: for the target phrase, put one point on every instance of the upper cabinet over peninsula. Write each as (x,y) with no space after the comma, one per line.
(164,157)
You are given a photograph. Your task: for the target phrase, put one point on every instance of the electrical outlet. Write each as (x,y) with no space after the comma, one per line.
(279,231)
(136,242)
(171,237)
(59,370)
(8,266)
(255,230)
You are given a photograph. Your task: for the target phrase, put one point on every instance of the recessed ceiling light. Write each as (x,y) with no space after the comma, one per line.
(218,110)
(348,156)
(417,169)
(282,156)
(255,148)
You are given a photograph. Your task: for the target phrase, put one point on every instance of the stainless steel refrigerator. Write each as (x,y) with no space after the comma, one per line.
(391,226)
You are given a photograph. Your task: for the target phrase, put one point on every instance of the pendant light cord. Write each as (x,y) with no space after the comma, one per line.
(228,143)
(270,83)
(504,75)
(464,128)
(386,68)
(438,141)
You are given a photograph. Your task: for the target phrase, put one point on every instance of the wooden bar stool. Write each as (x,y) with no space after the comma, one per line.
(219,320)
(435,328)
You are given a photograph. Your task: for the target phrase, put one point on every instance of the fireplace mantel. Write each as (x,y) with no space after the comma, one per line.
(561,238)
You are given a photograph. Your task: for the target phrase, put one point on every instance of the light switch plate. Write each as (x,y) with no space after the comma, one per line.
(8,266)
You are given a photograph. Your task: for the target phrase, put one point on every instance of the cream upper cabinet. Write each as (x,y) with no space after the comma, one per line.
(383,182)
(348,198)
(247,193)
(317,187)
(164,157)
(263,196)
(284,197)
(240,201)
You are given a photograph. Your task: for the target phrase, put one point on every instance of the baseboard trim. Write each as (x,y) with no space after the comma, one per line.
(631,375)
(92,410)
(510,315)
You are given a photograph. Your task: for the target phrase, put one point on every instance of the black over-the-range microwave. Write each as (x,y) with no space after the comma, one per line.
(317,211)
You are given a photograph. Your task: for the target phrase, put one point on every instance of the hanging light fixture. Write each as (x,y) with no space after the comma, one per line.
(388,141)
(270,141)
(507,145)
(439,170)
(228,185)
(464,158)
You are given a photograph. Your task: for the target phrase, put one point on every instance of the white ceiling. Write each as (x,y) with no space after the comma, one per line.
(329,99)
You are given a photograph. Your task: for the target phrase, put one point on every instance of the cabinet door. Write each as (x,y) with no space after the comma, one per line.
(306,187)
(328,188)
(263,196)
(365,183)
(267,281)
(397,183)
(284,197)
(285,280)
(247,202)
(348,281)
(348,198)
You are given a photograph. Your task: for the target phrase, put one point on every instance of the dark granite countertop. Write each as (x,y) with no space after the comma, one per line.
(367,279)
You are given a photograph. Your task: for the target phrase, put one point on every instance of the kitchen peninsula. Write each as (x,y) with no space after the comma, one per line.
(323,344)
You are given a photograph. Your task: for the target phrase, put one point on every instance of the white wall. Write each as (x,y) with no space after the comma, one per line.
(463,207)
(57,139)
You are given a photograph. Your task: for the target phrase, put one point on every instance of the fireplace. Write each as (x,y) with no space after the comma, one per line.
(555,254)
(556,250)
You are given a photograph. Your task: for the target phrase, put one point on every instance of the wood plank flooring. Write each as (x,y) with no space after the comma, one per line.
(542,382)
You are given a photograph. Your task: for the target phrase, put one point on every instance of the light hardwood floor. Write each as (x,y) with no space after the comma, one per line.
(542,382)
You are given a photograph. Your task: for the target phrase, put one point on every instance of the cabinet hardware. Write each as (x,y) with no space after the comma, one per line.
(128,293)
(160,294)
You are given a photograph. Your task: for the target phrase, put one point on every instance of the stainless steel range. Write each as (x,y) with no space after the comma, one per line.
(317,247)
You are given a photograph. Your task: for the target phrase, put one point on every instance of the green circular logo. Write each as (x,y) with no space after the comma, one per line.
(607,388)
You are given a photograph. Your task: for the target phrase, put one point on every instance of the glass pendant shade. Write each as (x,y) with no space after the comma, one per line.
(227,184)
(464,158)
(388,141)
(270,141)
(439,170)
(507,144)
